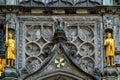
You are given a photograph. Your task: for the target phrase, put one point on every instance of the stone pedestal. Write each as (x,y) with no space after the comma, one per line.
(10,74)
(110,73)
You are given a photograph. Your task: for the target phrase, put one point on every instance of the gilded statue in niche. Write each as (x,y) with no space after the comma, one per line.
(10,49)
(109,44)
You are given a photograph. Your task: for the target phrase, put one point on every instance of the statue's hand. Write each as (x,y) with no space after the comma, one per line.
(107,43)
(6,43)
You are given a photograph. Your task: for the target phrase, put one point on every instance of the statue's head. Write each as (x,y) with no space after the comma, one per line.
(10,36)
(109,35)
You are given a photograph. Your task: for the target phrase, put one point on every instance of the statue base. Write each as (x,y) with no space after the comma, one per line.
(10,74)
(110,73)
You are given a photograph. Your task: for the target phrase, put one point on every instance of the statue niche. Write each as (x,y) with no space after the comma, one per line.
(109,44)
(10,48)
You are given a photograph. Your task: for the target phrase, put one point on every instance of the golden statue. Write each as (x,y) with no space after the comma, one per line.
(10,49)
(2,65)
(109,44)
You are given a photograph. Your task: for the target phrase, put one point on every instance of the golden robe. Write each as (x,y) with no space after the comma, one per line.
(11,49)
(109,47)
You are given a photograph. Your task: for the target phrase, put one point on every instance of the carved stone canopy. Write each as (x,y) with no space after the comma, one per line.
(59,34)
(109,30)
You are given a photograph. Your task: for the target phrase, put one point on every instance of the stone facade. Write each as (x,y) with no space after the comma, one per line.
(73,30)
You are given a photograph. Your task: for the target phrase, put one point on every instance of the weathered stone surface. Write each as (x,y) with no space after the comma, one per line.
(10,74)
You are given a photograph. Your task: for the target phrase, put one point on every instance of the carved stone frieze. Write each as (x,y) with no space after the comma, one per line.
(59,3)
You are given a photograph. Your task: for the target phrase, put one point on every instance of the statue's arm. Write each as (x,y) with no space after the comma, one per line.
(6,43)
(113,46)
(14,46)
(0,66)
(105,43)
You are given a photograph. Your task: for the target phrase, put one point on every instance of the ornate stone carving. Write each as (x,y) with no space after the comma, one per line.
(33,32)
(47,32)
(80,32)
(33,2)
(11,19)
(86,33)
(60,77)
(87,64)
(110,73)
(33,49)
(108,21)
(71,32)
(32,64)
(85,2)
(63,3)
(86,49)
(37,38)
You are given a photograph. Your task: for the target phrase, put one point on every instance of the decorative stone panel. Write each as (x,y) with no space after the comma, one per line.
(83,34)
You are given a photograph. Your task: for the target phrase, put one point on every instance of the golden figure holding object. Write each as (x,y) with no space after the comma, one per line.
(10,48)
(109,44)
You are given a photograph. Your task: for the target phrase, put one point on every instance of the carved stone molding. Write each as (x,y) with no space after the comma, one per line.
(59,3)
